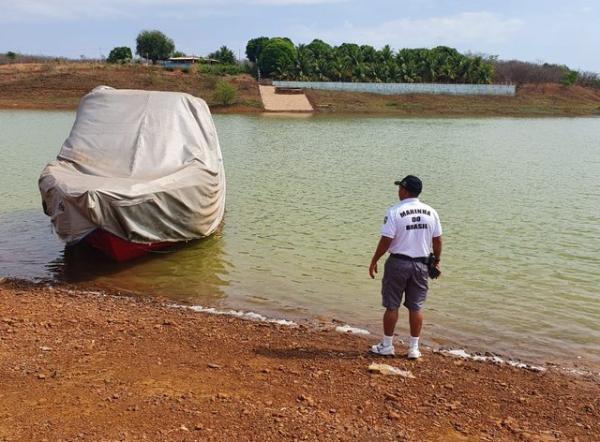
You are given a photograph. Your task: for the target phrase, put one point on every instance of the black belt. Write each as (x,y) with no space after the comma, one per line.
(423,259)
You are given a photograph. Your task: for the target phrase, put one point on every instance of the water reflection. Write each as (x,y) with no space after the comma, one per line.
(81,263)
(194,272)
(27,244)
(287,115)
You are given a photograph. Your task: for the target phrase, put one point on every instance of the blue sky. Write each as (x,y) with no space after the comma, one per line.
(549,31)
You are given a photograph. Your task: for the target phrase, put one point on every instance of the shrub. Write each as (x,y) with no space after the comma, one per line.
(120,54)
(224,93)
(569,78)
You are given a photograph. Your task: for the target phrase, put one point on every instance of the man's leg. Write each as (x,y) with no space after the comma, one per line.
(416,293)
(392,288)
(386,346)
(390,318)
(415,319)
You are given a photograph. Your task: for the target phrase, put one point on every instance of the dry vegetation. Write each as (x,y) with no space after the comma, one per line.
(61,85)
(533,100)
(522,72)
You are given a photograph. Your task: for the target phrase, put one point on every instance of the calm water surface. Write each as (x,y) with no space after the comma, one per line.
(519,200)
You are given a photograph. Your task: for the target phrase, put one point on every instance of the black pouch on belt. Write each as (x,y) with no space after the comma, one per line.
(434,273)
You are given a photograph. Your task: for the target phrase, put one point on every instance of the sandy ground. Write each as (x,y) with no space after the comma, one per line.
(82,365)
(273,102)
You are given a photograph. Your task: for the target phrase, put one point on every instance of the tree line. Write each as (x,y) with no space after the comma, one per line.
(154,46)
(279,58)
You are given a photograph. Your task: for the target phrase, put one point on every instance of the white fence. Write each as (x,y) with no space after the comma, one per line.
(403,88)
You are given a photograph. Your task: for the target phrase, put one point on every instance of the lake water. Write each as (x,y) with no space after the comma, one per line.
(519,201)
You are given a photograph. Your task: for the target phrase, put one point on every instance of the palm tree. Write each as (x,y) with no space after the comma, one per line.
(360,72)
(394,72)
(304,63)
(382,74)
(320,69)
(386,54)
(368,54)
(318,61)
(338,68)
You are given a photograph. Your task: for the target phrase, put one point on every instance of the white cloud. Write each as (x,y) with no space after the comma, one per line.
(468,29)
(28,10)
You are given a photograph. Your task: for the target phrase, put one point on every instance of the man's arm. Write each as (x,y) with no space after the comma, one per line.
(382,247)
(437,249)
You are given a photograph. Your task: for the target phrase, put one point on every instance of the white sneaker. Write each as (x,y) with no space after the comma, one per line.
(413,353)
(383,350)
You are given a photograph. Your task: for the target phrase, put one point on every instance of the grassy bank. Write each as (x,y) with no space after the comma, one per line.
(60,86)
(84,365)
(545,100)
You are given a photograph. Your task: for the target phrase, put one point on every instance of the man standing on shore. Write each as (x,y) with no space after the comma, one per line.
(410,230)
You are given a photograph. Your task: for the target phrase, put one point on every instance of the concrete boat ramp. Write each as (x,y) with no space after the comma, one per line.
(283,102)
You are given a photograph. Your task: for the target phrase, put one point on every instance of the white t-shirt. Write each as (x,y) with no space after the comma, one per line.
(412,224)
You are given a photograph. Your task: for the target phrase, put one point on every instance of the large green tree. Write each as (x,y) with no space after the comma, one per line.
(154,45)
(254,47)
(120,54)
(320,49)
(277,57)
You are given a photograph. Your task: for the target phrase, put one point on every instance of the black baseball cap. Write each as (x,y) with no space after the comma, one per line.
(411,183)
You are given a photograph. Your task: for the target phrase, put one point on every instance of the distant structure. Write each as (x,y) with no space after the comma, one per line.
(401,88)
(186,62)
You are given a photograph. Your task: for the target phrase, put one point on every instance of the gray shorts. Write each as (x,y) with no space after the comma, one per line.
(404,277)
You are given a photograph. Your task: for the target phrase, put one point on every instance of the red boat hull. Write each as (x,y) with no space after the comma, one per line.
(119,249)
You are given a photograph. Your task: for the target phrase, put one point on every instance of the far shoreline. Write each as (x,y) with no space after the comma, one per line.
(219,110)
(50,86)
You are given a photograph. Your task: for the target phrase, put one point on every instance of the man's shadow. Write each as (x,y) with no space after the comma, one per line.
(307,353)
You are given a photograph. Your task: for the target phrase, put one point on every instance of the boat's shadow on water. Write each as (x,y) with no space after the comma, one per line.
(82,262)
(196,271)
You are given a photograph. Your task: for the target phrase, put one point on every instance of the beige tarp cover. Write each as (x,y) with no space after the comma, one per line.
(145,166)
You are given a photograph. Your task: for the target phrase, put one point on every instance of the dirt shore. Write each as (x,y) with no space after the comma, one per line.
(531,100)
(84,365)
(61,86)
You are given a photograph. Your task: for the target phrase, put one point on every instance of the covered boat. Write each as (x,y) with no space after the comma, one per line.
(140,170)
